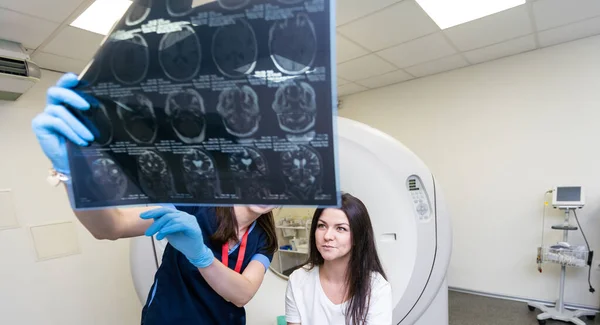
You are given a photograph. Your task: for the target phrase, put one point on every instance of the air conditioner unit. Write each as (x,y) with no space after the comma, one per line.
(17,72)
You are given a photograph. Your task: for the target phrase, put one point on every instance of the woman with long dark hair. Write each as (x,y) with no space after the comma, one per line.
(343,281)
(216,258)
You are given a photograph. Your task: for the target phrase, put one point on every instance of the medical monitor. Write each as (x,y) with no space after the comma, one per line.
(571,197)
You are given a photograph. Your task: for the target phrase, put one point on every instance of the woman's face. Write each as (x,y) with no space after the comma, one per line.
(333,237)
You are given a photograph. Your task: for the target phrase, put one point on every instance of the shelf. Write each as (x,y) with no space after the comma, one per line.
(563,256)
(293,252)
(289,227)
(561,227)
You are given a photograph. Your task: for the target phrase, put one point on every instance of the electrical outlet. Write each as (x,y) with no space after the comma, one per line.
(596,265)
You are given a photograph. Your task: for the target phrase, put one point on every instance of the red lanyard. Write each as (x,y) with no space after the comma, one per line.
(242,251)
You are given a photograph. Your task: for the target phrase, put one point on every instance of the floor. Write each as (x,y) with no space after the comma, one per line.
(466,309)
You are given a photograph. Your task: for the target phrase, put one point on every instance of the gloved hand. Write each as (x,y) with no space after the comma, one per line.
(182,232)
(56,123)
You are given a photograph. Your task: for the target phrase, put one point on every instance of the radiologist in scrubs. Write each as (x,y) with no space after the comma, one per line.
(216,258)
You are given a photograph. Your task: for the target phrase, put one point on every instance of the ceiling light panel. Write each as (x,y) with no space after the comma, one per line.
(449,13)
(100,17)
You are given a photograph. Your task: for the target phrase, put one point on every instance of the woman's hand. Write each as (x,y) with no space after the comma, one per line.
(182,231)
(56,123)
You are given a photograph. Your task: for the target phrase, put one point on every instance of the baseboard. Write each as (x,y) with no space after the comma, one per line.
(525,300)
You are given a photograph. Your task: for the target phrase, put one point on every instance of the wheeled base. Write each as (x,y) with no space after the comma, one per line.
(565,316)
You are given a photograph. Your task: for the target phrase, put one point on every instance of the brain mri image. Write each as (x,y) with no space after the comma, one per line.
(200,174)
(302,170)
(108,178)
(155,177)
(186,112)
(178,8)
(130,59)
(293,44)
(296,109)
(138,12)
(98,123)
(138,118)
(250,171)
(180,54)
(234,49)
(92,72)
(239,110)
(233,4)
(248,163)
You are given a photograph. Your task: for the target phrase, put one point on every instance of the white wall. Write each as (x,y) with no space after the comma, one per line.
(93,287)
(497,136)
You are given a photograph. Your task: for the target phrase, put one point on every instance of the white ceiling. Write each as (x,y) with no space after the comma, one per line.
(379,42)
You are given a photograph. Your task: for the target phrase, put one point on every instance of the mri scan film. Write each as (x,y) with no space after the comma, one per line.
(108,178)
(201,177)
(240,111)
(130,59)
(235,49)
(138,12)
(97,120)
(296,109)
(250,171)
(186,113)
(211,103)
(233,4)
(179,8)
(293,44)
(137,117)
(154,175)
(301,169)
(180,54)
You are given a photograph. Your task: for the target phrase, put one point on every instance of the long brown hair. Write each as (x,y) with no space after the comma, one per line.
(227,228)
(363,258)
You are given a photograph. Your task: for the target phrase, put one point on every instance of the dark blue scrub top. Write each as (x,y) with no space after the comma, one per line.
(181,296)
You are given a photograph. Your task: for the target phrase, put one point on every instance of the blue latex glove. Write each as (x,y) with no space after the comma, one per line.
(56,123)
(182,232)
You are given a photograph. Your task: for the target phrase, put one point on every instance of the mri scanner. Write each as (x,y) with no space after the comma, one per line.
(409,218)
